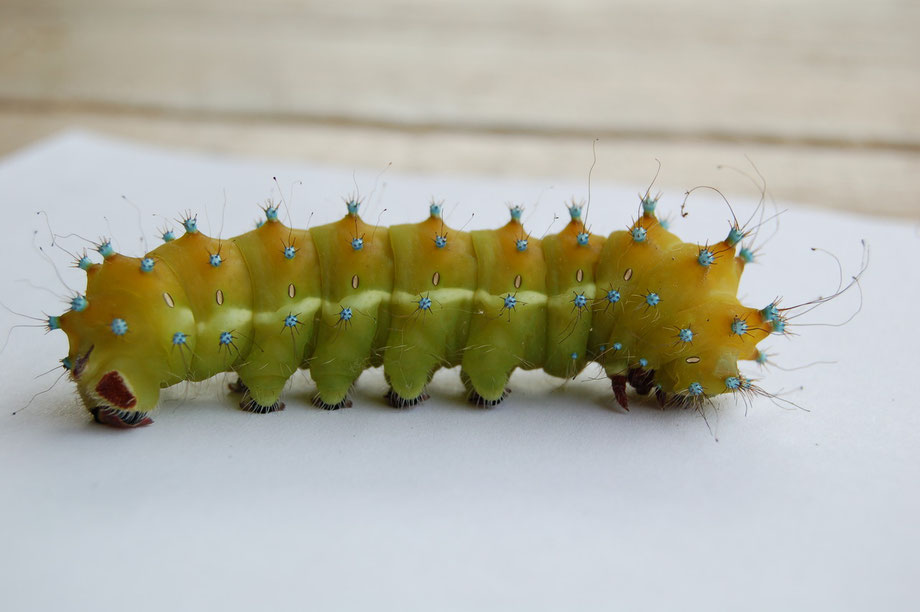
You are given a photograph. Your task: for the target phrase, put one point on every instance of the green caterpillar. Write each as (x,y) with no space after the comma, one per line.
(657,313)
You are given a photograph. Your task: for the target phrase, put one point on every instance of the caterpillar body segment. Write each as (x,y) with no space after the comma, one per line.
(216,287)
(508,322)
(356,266)
(655,312)
(284,308)
(571,260)
(435,278)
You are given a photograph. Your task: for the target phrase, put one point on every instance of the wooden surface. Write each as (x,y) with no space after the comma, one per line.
(824,96)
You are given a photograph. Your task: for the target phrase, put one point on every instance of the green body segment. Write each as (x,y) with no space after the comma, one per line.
(354,318)
(284,307)
(431,303)
(508,321)
(346,296)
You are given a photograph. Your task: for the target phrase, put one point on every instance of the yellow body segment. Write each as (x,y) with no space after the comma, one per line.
(219,295)
(571,287)
(144,355)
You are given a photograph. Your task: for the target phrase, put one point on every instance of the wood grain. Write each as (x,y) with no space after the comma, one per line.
(823,95)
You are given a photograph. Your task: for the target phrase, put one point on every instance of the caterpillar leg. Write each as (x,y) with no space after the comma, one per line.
(250,405)
(319,402)
(484,389)
(643,381)
(664,400)
(408,373)
(397,400)
(618,382)
(478,400)
(334,379)
(260,395)
(120,419)
(238,387)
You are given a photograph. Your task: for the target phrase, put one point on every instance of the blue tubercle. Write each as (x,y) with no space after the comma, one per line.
(147,264)
(225,338)
(215,260)
(643,362)
(260,223)
(732,382)
(289,252)
(345,314)
(271,213)
(695,389)
(580,300)
(352,205)
(665,224)
(734,236)
(179,338)
(739,327)
(168,236)
(613,296)
(582,238)
(521,244)
(574,356)
(746,254)
(617,346)
(575,211)
(424,303)
(67,363)
(638,234)
(84,263)
(54,323)
(648,205)
(78,303)
(440,241)
(706,258)
(190,224)
(119,327)
(105,249)
(435,209)
(357,243)
(516,212)
(291,321)
(652,299)
(770,312)
(779,326)
(761,358)
(685,335)
(510,301)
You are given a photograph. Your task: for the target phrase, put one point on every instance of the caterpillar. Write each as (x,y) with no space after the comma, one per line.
(658,314)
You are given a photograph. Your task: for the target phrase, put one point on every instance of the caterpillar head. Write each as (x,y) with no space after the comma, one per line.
(120,336)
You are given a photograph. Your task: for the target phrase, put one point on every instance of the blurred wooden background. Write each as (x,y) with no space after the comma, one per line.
(823,95)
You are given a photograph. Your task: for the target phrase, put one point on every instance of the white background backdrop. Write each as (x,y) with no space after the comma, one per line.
(553,499)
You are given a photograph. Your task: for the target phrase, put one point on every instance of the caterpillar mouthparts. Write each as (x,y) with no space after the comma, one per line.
(658,314)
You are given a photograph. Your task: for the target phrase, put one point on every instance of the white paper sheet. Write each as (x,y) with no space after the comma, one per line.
(553,500)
